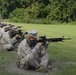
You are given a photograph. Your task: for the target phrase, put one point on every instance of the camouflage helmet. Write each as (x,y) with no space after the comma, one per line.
(33,33)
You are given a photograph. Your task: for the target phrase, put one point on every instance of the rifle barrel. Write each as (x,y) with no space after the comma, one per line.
(66,38)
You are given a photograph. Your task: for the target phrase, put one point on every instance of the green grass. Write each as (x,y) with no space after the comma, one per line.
(58,51)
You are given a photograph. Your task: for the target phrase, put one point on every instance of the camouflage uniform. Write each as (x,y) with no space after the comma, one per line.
(31,57)
(0,33)
(6,41)
(2,30)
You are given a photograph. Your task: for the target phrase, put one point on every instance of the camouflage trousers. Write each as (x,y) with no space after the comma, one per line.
(8,47)
(30,60)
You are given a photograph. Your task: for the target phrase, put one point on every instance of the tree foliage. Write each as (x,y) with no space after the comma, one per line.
(25,10)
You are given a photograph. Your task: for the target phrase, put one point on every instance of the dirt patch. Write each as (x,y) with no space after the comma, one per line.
(12,68)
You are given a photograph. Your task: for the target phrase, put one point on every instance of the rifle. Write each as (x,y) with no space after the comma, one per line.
(2,25)
(21,37)
(44,39)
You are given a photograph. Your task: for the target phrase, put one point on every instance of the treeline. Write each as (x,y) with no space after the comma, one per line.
(38,11)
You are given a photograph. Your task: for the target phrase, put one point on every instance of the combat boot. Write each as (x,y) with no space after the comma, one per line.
(42,68)
(18,63)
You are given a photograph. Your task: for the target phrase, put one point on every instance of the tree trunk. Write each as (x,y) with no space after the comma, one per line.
(0,15)
(74,16)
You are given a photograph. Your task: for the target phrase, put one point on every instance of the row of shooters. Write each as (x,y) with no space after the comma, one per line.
(10,36)
(29,53)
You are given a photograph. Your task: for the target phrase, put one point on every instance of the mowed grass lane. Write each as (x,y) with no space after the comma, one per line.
(62,54)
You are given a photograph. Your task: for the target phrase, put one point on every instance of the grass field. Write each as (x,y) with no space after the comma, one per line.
(61,54)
